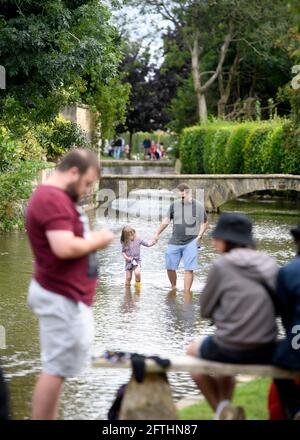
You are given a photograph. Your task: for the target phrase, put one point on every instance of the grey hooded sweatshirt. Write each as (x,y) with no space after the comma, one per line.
(237,302)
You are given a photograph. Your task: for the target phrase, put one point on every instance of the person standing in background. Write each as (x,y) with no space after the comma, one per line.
(119,144)
(146,145)
(126,151)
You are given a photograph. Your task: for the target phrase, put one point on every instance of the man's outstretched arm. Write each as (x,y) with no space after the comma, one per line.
(164,224)
(203,229)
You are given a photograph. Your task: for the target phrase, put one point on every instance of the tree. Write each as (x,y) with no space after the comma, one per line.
(176,90)
(138,73)
(108,101)
(47,48)
(208,26)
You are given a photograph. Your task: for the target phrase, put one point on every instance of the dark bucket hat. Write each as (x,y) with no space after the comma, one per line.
(296,231)
(235,228)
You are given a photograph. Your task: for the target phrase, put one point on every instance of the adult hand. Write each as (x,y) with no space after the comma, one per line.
(103,238)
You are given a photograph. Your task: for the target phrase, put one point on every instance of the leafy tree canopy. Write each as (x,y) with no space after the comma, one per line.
(47,48)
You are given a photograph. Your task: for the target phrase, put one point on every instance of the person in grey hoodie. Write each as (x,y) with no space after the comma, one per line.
(238,298)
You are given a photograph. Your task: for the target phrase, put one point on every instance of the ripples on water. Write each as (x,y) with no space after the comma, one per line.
(154,321)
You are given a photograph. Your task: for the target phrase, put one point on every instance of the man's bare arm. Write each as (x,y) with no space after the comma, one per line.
(66,246)
(164,224)
(202,230)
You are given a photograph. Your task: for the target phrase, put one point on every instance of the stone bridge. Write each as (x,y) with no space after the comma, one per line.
(218,189)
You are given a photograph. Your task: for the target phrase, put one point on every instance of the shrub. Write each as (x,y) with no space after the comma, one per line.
(191,155)
(185,150)
(20,160)
(197,165)
(207,140)
(60,136)
(290,162)
(218,151)
(15,188)
(272,151)
(240,148)
(10,150)
(252,149)
(234,151)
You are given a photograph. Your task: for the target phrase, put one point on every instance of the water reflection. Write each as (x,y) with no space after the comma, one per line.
(152,321)
(131,300)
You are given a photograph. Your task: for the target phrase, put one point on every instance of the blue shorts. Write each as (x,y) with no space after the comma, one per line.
(210,350)
(188,252)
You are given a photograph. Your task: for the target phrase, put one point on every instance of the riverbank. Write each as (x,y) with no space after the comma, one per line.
(252,396)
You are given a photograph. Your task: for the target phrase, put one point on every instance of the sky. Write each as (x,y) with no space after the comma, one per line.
(148,28)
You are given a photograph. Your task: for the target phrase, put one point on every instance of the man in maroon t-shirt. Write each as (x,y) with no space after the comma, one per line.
(63,285)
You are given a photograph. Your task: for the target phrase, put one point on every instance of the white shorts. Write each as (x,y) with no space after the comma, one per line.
(66,331)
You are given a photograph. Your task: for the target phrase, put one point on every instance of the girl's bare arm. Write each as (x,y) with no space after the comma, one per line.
(126,257)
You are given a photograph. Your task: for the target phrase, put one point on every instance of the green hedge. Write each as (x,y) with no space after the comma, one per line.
(241,148)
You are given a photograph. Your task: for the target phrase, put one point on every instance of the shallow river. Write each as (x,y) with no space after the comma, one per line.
(154,321)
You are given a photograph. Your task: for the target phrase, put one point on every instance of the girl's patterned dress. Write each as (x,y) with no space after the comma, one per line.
(133,249)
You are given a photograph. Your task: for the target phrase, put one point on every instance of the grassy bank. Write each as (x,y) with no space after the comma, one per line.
(251,395)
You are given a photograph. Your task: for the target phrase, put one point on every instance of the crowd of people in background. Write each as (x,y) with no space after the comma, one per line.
(119,149)
(153,150)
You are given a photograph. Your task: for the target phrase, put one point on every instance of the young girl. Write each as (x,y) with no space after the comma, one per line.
(131,248)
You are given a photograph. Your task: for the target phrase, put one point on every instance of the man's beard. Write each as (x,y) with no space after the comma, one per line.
(71,190)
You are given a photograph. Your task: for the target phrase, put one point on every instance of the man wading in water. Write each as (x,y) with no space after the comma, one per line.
(189,225)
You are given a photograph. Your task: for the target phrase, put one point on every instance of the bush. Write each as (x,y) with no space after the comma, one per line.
(208,150)
(185,153)
(59,137)
(15,188)
(21,158)
(234,149)
(290,161)
(273,151)
(217,151)
(252,149)
(10,151)
(241,148)
(197,164)
(191,155)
